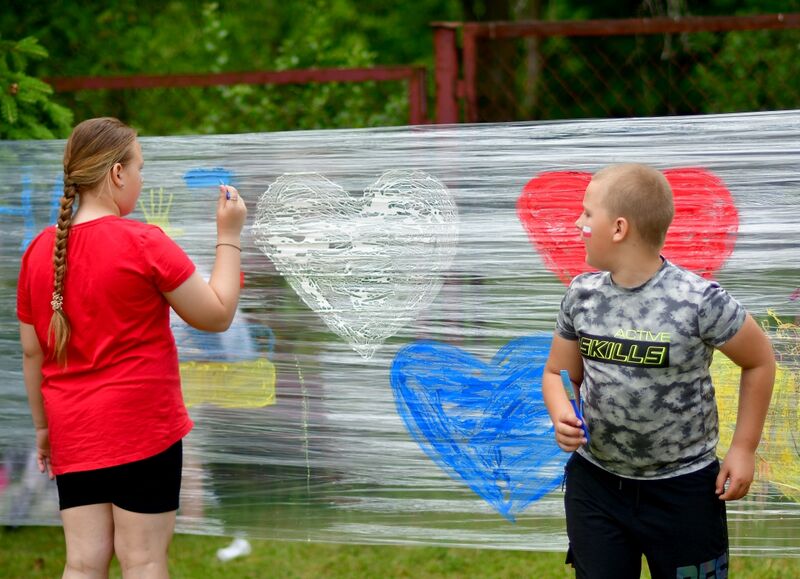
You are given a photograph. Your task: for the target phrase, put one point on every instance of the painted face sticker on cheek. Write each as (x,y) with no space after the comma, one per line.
(586,231)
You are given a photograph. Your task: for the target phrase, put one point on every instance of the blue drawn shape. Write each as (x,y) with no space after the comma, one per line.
(194,344)
(264,339)
(55,200)
(240,342)
(485,424)
(202,178)
(24,210)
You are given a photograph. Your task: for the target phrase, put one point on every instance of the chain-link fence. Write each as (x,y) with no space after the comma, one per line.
(622,68)
(509,71)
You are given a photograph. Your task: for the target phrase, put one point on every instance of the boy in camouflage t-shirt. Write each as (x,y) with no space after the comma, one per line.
(638,338)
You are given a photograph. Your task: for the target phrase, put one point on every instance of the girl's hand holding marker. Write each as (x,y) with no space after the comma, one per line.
(231,215)
(227,190)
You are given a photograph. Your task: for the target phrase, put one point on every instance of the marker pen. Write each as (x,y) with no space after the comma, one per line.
(227,193)
(571,395)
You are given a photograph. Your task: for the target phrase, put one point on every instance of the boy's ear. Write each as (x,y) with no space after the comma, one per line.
(621,229)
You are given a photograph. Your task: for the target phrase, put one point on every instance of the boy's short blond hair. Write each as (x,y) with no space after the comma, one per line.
(640,194)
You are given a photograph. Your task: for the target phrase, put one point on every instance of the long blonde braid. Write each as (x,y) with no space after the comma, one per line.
(92,149)
(59,329)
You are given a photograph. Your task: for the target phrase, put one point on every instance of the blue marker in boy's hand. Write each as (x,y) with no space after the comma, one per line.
(227,193)
(571,395)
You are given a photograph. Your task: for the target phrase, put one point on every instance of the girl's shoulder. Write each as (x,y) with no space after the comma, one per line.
(134,225)
(138,229)
(44,239)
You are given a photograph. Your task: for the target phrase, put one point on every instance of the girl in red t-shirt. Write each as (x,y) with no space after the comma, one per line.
(99,361)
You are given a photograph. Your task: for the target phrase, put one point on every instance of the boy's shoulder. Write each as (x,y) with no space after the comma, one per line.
(681,288)
(589,280)
(676,275)
(671,277)
(584,286)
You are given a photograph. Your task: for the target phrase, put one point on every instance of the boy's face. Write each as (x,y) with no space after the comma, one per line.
(596,226)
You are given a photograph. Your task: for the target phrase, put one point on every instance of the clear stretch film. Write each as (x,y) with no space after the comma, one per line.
(380,383)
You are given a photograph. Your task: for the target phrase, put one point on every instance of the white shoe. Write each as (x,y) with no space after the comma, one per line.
(238,548)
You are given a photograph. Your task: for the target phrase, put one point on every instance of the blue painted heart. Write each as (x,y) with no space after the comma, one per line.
(484,424)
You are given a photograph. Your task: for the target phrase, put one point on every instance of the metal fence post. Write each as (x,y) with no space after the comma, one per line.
(417,97)
(470,57)
(446,71)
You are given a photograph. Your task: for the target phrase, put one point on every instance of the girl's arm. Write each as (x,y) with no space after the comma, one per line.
(211,306)
(564,355)
(752,351)
(32,359)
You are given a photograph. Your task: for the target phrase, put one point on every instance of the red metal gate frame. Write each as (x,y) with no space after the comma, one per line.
(450,89)
(415,75)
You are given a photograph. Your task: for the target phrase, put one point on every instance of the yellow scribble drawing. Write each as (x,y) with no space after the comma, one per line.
(786,336)
(779,451)
(156,211)
(241,384)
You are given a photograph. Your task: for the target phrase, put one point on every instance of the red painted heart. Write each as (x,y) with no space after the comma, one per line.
(701,237)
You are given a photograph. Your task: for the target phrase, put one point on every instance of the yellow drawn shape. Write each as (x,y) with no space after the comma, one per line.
(156,211)
(248,384)
(778,455)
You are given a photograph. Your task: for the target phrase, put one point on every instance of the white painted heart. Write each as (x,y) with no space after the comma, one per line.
(366,264)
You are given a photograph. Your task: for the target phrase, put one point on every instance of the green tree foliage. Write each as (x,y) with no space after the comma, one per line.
(762,63)
(647,75)
(523,79)
(121,37)
(316,40)
(753,70)
(26,109)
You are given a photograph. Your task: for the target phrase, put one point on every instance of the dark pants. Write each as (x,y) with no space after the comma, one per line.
(152,485)
(679,524)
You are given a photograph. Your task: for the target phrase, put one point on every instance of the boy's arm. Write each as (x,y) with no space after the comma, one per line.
(752,351)
(564,355)
(32,359)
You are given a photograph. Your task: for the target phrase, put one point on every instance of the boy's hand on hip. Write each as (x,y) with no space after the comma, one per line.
(569,434)
(737,471)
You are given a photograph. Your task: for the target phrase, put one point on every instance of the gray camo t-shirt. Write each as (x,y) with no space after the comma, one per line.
(648,399)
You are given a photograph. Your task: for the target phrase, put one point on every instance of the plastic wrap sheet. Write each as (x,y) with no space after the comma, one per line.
(380,383)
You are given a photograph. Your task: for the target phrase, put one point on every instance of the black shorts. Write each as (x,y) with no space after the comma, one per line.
(152,485)
(678,524)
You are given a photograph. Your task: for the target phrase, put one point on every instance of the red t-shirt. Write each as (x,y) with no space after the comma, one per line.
(119,398)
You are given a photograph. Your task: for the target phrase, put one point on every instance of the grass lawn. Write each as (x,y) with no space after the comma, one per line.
(39,552)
